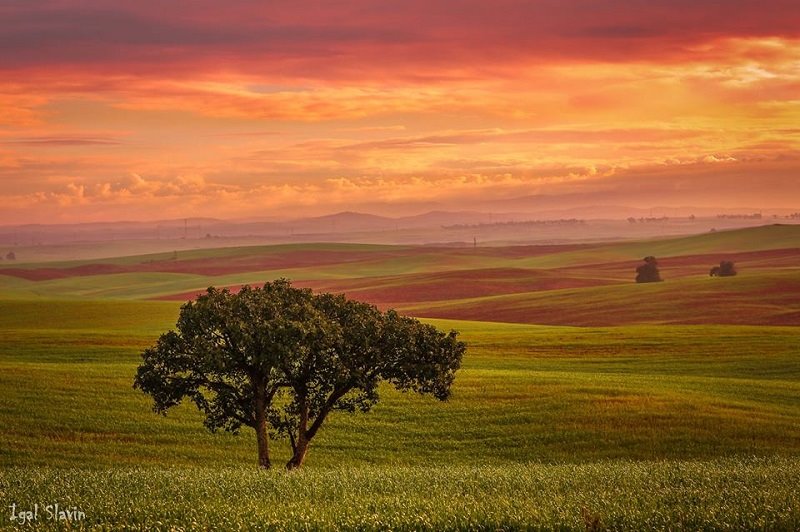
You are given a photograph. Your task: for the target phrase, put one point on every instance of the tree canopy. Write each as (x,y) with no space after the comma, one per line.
(648,272)
(280,359)
(726,268)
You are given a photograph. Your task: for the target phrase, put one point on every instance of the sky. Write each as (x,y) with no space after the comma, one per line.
(250,109)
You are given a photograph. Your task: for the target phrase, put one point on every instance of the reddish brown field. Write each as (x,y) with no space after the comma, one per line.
(703,301)
(670,266)
(213,266)
(444,282)
(46,274)
(442,286)
(217,266)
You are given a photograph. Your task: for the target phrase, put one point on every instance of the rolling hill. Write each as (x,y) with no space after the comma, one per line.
(584,284)
(687,394)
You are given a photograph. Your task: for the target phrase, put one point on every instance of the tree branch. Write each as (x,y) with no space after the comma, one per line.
(216,386)
(323,413)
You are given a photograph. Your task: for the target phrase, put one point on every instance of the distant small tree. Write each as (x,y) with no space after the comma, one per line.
(726,268)
(11,256)
(648,272)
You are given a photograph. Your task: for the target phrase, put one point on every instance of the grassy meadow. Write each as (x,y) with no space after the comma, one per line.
(720,494)
(639,418)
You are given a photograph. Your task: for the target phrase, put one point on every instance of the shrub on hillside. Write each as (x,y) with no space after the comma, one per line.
(648,272)
(726,268)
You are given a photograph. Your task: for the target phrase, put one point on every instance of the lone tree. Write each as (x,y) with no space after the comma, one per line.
(284,357)
(726,268)
(11,256)
(648,272)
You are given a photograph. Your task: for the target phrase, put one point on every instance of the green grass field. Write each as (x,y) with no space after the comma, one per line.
(722,494)
(629,425)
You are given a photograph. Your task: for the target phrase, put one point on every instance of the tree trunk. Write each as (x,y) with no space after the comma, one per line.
(305,433)
(263,447)
(262,439)
(299,456)
(301,445)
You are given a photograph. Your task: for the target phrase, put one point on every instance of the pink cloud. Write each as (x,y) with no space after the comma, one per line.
(411,39)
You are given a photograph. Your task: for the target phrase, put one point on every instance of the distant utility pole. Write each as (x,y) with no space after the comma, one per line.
(185,228)
(475,242)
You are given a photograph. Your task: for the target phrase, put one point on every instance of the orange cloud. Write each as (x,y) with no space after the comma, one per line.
(273,108)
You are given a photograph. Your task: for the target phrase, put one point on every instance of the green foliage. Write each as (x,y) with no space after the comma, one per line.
(343,373)
(425,359)
(232,353)
(225,350)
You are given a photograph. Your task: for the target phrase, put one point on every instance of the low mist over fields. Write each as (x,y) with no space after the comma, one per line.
(41,242)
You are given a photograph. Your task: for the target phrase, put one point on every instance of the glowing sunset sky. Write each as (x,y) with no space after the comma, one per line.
(142,110)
